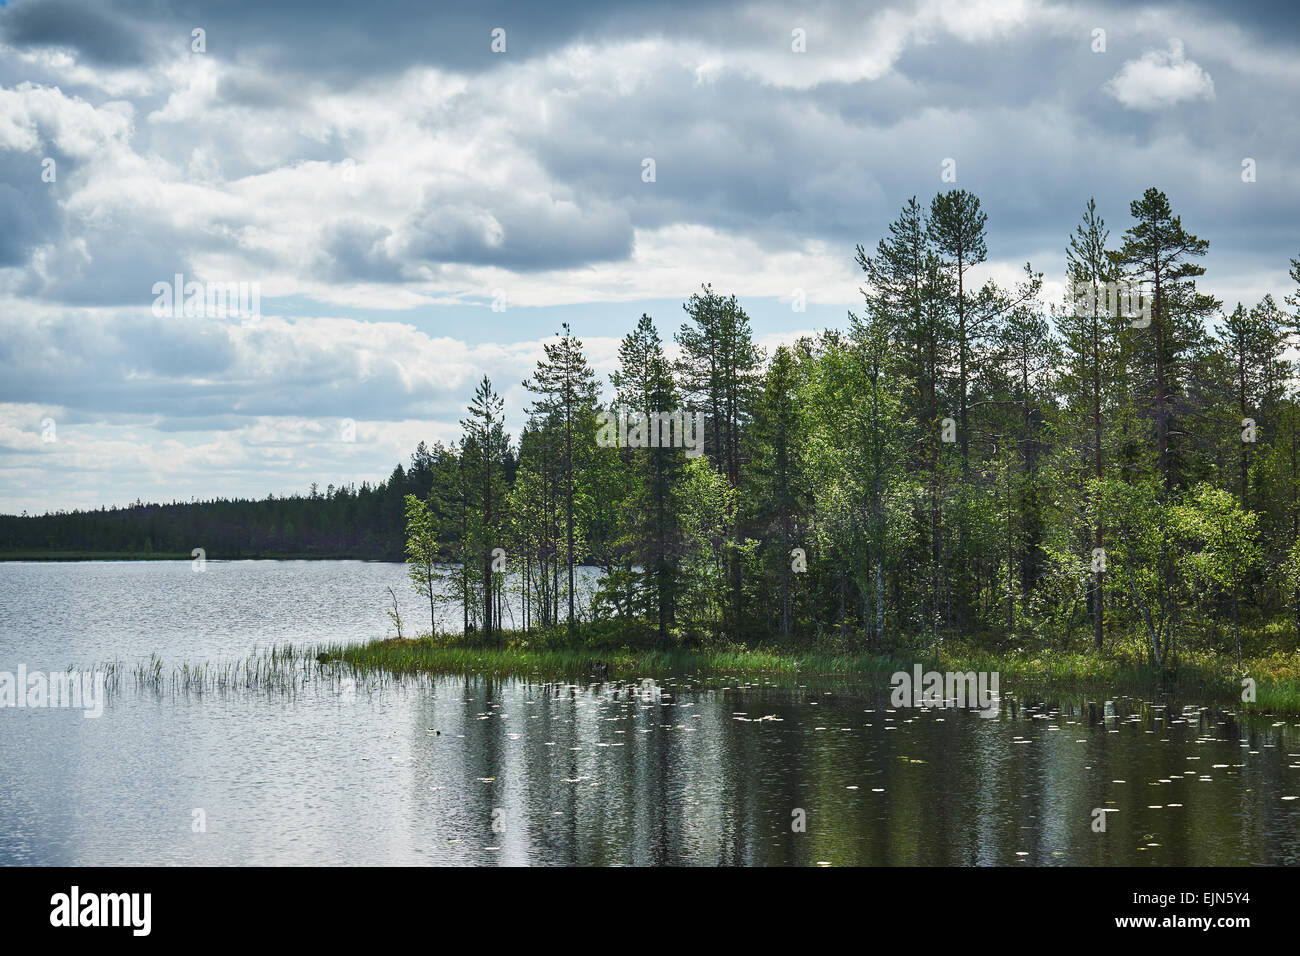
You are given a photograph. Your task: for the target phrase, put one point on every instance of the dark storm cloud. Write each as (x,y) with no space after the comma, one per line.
(333,42)
(353,250)
(100,33)
(524,234)
(28,206)
(18,227)
(1279,19)
(111,267)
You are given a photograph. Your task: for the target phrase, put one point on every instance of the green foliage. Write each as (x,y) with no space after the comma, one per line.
(1217,540)
(422,557)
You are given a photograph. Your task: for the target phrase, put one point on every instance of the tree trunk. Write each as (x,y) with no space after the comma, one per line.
(1236,630)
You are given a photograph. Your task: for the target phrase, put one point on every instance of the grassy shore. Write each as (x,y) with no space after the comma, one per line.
(557,655)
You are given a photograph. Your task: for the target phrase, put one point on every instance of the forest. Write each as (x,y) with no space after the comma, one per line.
(344,521)
(959,459)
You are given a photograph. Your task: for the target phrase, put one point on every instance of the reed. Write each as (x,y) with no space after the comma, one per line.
(289,670)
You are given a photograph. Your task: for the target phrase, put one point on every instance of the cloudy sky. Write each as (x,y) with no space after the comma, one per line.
(386,177)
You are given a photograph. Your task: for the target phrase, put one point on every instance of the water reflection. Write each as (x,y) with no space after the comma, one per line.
(476,770)
(645,772)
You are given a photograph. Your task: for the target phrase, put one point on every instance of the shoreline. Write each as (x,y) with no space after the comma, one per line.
(1074,674)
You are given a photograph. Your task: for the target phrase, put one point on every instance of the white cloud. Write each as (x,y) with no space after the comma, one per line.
(842,45)
(1159,79)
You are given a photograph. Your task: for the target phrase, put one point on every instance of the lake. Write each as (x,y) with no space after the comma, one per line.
(455,770)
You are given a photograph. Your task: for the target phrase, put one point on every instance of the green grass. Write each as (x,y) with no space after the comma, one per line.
(555,655)
(614,651)
(427,656)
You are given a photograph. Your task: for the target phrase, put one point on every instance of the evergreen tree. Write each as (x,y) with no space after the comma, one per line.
(1090,378)
(485,449)
(644,385)
(566,386)
(1156,255)
(719,374)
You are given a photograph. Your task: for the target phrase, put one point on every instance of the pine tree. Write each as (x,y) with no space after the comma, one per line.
(956,227)
(774,502)
(1155,254)
(908,290)
(485,447)
(566,386)
(719,373)
(1091,375)
(644,385)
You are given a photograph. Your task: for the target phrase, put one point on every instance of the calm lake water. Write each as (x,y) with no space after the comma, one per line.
(474,771)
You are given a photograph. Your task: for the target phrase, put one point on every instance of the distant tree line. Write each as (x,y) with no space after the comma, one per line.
(344,521)
(962,458)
